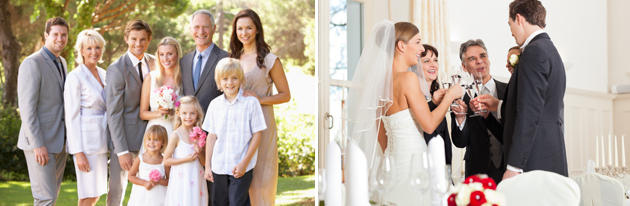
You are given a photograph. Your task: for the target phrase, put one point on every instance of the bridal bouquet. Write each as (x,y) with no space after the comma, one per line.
(165,97)
(155,175)
(477,190)
(198,136)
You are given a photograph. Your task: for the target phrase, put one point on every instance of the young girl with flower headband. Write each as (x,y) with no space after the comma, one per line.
(185,154)
(148,174)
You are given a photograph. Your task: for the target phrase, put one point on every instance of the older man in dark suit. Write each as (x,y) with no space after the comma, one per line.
(534,107)
(484,151)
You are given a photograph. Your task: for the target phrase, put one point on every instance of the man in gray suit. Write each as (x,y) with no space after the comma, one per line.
(124,83)
(198,66)
(40,93)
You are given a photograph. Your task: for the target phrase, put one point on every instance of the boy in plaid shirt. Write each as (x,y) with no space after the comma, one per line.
(234,124)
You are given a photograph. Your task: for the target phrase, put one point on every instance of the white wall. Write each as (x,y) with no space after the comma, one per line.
(578,32)
(618,42)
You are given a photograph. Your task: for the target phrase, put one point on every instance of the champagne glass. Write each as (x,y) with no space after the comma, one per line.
(386,176)
(321,182)
(372,181)
(473,89)
(455,76)
(445,82)
(463,81)
(479,88)
(419,173)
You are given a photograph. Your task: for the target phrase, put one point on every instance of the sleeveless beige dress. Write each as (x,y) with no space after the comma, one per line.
(265,181)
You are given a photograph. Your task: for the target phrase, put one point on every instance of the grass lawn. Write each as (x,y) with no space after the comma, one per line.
(291,191)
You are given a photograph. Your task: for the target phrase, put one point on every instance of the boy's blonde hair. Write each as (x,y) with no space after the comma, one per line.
(188,100)
(158,131)
(228,66)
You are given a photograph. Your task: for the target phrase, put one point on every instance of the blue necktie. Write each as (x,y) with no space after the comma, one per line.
(197,71)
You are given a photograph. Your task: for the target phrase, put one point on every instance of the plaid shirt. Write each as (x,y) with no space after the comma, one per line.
(233,123)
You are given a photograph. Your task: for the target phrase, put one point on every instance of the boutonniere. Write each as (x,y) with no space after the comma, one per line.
(514,60)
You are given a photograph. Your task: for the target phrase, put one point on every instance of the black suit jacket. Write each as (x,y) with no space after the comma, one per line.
(533,111)
(207,88)
(442,130)
(474,136)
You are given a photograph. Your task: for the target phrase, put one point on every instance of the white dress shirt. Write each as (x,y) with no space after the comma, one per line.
(135,61)
(234,124)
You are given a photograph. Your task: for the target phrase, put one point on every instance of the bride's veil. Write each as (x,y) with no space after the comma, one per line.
(371,91)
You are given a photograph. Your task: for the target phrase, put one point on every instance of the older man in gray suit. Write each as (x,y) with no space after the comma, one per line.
(198,66)
(124,83)
(40,93)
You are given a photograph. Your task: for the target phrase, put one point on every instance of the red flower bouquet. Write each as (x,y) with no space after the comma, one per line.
(477,190)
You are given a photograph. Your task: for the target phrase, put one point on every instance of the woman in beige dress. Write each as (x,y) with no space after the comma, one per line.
(262,69)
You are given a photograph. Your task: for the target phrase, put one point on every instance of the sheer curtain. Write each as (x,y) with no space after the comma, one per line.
(431,17)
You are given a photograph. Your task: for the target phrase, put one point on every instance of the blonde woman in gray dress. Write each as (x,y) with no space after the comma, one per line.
(262,69)
(86,122)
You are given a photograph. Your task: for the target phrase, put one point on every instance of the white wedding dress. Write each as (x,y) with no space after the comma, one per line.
(153,106)
(404,139)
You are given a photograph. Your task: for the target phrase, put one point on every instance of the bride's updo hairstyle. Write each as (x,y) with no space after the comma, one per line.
(405,31)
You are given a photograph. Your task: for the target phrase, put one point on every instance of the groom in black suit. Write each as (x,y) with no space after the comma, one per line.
(484,151)
(533,111)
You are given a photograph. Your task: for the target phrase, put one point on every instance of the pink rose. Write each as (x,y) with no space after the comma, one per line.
(155,175)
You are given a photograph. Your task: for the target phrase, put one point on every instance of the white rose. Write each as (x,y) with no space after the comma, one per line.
(491,196)
(513,60)
(486,204)
(476,186)
(463,196)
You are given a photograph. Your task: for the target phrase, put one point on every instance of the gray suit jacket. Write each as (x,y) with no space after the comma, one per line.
(40,99)
(207,88)
(533,134)
(123,104)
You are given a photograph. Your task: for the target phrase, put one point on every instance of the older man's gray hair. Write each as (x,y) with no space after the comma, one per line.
(464,47)
(206,12)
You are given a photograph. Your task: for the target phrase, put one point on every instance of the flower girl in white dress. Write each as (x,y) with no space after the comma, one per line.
(186,185)
(148,174)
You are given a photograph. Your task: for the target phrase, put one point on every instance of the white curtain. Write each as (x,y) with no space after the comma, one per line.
(431,17)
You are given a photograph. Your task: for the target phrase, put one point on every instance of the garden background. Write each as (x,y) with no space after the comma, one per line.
(289,28)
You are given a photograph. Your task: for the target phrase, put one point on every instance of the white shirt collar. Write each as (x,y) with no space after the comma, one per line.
(239,97)
(205,52)
(135,60)
(490,85)
(531,36)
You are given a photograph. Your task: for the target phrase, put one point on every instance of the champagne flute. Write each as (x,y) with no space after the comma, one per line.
(445,82)
(386,176)
(455,79)
(463,81)
(419,173)
(479,88)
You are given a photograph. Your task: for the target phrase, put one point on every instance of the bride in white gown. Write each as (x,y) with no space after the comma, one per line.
(389,90)
(167,73)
